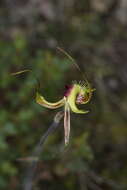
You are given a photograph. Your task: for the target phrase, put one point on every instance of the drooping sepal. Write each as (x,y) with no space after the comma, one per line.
(67,123)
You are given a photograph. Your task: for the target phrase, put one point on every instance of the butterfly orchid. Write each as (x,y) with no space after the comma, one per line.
(76,93)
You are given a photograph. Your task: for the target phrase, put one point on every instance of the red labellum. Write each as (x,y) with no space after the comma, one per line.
(68,90)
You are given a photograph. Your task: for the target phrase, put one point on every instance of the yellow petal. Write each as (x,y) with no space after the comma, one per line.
(41,100)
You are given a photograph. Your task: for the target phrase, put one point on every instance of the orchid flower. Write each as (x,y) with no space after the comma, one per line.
(76,93)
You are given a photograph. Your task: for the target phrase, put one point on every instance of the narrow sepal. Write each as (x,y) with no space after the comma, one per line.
(67,123)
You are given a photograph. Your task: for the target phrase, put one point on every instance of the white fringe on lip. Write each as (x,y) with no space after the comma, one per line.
(82,83)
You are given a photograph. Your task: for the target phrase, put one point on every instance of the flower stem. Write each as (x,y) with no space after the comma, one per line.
(30,173)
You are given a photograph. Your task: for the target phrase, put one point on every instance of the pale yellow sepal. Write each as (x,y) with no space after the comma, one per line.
(67,123)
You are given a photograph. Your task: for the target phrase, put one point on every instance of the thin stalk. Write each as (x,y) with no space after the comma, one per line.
(30,173)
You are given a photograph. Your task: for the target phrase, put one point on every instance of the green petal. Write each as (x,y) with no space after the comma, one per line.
(41,100)
(67,123)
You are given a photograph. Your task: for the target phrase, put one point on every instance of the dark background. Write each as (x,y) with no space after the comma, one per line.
(94,33)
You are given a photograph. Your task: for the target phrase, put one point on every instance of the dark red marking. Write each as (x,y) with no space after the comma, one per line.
(68,90)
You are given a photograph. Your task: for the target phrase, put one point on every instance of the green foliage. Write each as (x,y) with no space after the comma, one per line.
(19,112)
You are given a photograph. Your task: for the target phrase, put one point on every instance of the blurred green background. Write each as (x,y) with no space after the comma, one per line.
(95,35)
